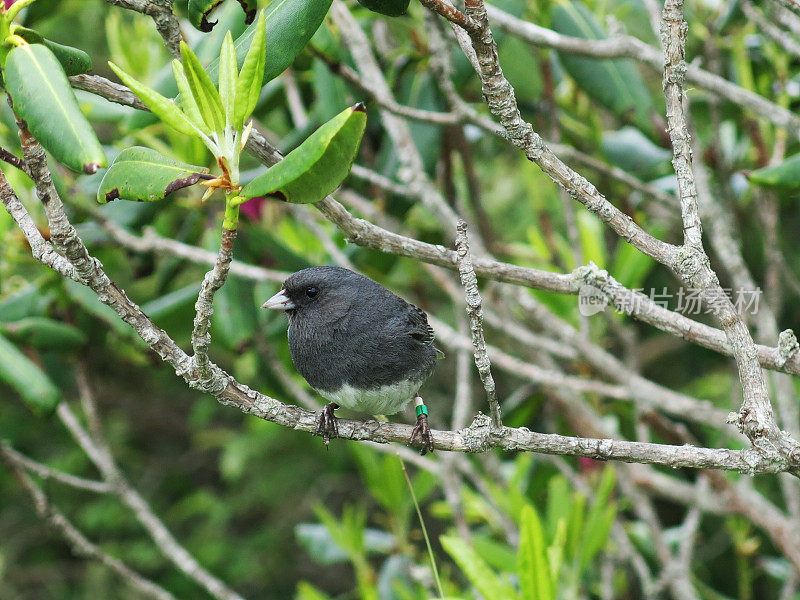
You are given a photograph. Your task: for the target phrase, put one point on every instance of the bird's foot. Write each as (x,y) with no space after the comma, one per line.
(326,426)
(422,430)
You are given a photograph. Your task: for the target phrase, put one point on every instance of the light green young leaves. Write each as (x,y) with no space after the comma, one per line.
(250,79)
(227,78)
(203,90)
(490,585)
(319,165)
(538,574)
(164,108)
(203,107)
(187,101)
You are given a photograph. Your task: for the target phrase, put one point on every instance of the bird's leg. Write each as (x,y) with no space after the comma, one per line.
(326,426)
(422,429)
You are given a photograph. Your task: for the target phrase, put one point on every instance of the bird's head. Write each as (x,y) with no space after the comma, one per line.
(312,286)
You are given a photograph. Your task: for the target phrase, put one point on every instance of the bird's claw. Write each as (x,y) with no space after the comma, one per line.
(326,426)
(423,431)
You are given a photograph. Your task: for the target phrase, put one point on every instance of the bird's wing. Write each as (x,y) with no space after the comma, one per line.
(420,328)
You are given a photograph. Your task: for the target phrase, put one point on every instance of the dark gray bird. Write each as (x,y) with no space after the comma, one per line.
(357,344)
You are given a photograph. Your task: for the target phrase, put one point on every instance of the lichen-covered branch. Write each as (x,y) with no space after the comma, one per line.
(475,314)
(204,308)
(500,97)
(41,249)
(673,39)
(756,418)
(162,15)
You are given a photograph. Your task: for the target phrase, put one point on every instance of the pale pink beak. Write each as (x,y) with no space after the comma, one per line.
(279,301)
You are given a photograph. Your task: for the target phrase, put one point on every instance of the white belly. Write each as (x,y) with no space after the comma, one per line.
(386,400)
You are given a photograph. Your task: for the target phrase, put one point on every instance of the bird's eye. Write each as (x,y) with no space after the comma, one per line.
(312,291)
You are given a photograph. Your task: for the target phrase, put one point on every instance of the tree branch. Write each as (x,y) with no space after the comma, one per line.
(204,307)
(162,15)
(475,314)
(630,47)
(81,546)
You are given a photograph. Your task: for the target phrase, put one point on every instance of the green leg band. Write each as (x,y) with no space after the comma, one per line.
(422,410)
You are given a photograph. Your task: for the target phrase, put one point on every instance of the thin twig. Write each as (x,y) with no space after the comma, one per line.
(475,313)
(162,15)
(204,307)
(80,545)
(412,171)
(45,472)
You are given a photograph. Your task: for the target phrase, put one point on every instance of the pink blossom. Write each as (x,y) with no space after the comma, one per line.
(588,465)
(9,3)
(253,208)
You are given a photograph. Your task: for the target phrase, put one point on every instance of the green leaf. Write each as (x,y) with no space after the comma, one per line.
(612,83)
(171,303)
(785,176)
(559,503)
(187,103)
(390,8)
(631,150)
(73,60)
(162,107)
(575,521)
(591,233)
(248,84)
(29,381)
(477,571)
(235,317)
(44,333)
(306,591)
(289,26)
(203,90)
(198,13)
(599,519)
(199,10)
(319,165)
(555,553)
(143,175)
(43,97)
(228,78)
(27,302)
(630,267)
(498,555)
(532,563)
